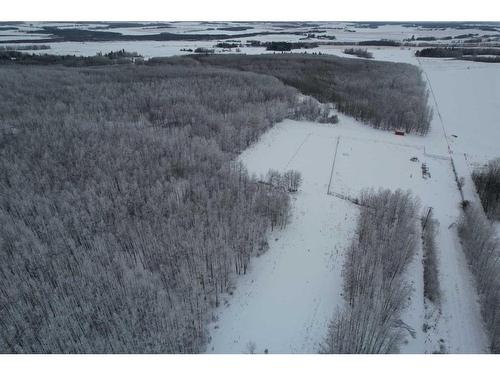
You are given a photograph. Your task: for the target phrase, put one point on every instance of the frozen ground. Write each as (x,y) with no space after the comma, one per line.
(284,303)
(291,292)
(342,31)
(468,94)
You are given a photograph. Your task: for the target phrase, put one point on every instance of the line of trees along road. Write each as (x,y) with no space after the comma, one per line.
(487,181)
(375,287)
(482,249)
(123,215)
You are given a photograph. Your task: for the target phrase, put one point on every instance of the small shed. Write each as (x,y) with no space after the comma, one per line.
(399,132)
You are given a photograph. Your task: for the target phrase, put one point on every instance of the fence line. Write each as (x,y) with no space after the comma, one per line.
(333,164)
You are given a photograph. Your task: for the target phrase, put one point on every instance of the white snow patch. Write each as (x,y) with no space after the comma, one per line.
(286,300)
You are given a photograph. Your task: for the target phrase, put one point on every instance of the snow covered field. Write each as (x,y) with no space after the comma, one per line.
(286,300)
(342,32)
(468,94)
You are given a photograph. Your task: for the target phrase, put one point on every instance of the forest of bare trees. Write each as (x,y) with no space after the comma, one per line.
(487,181)
(383,94)
(123,214)
(375,287)
(482,249)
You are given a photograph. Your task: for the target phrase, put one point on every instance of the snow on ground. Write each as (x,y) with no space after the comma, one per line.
(285,301)
(147,49)
(343,31)
(291,292)
(460,324)
(468,94)
(462,99)
(384,165)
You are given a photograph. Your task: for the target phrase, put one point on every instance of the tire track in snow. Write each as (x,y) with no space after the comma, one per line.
(298,150)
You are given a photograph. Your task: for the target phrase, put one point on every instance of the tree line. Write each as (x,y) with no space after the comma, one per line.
(430,261)
(482,249)
(383,94)
(375,288)
(472,54)
(124,215)
(8,56)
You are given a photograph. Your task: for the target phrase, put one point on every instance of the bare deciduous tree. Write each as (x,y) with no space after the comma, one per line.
(123,215)
(375,289)
(482,248)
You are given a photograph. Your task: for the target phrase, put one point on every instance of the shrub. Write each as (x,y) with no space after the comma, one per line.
(360,52)
(375,289)
(482,249)
(487,181)
(431,271)
(123,215)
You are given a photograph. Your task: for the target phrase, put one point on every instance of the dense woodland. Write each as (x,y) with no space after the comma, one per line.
(287,46)
(123,213)
(24,47)
(473,54)
(456,52)
(482,249)
(375,288)
(385,95)
(487,181)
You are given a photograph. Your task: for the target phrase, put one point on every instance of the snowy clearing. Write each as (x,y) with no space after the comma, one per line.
(286,300)
(291,292)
